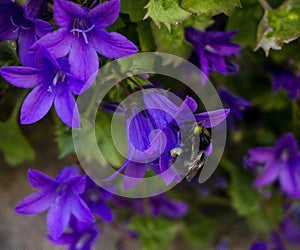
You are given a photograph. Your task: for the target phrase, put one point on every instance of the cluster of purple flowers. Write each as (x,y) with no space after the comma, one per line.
(73,200)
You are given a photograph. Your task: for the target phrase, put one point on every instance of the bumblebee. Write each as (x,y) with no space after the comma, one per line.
(191,155)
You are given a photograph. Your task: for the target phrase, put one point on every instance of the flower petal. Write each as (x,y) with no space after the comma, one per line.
(25,41)
(35,203)
(83,60)
(66,108)
(39,180)
(212,118)
(261,154)
(103,211)
(105,14)
(22,77)
(36,105)
(133,174)
(67,173)
(80,210)
(65,11)
(111,44)
(58,218)
(270,173)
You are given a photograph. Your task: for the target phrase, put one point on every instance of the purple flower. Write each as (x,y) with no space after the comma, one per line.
(60,196)
(235,103)
(82,34)
(52,83)
(95,197)
(153,133)
(258,245)
(290,226)
(280,162)
(21,23)
(213,50)
(81,237)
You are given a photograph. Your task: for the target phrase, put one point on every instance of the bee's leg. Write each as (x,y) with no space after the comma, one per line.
(194,166)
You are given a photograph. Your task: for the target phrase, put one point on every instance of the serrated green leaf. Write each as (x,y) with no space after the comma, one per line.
(210,7)
(243,195)
(13,144)
(135,9)
(167,12)
(279,26)
(155,233)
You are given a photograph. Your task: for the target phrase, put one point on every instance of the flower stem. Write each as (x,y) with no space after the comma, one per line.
(265,5)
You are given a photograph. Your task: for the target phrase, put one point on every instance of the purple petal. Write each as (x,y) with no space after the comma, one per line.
(35,203)
(83,60)
(204,66)
(133,174)
(226,48)
(105,14)
(289,178)
(174,209)
(261,154)
(25,41)
(289,143)
(66,108)
(65,11)
(212,118)
(111,44)
(80,210)
(270,173)
(59,42)
(42,27)
(57,219)
(103,211)
(22,77)
(39,180)
(67,173)
(36,105)
(167,173)
(33,7)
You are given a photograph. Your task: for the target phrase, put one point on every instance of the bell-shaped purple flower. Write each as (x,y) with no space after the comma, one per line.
(213,50)
(52,82)
(81,236)
(21,23)
(60,196)
(154,132)
(82,34)
(281,162)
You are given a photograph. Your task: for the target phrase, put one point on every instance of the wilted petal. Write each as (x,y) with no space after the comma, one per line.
(66,108)
(212,118)
(105,14)
(270,173)
(36,105)
(39,180)
(111,44)
(35,203)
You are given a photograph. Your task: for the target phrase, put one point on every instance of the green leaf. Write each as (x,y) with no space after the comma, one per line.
(13,144)
(210,7)
(200,231)
(245,20)
(173,42)
(272,101)
(167,12)
(279,26)
(145,37)
(243,195)
(135,9)
(154,232)
(64,139)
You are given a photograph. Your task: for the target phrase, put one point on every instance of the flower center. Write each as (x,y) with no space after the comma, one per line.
(19,23)
(284,155)
(59,77)
(82,26)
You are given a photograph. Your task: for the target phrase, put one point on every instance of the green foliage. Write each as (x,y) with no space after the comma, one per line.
(135,9)
(63,137)
(167,12)
(154,232)
(210,7)
(13,143)
(279,26)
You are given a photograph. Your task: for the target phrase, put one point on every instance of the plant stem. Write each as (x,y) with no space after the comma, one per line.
(265,5)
